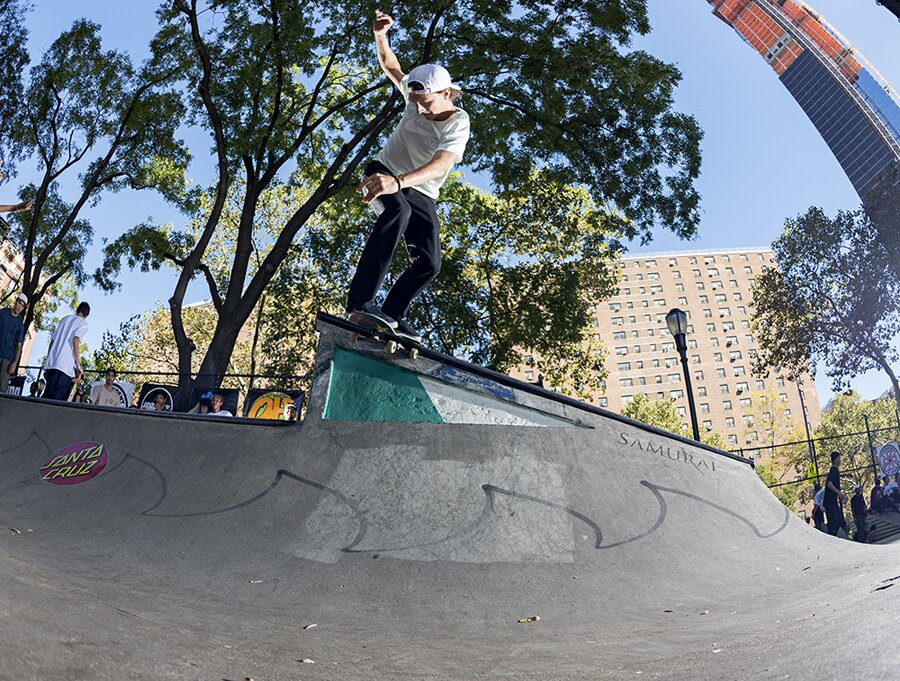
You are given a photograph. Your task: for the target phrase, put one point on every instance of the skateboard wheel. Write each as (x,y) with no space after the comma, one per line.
(413,353)
(391,347)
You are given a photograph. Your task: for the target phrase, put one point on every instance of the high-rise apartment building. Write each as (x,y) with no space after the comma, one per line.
(715,289)
(852,106)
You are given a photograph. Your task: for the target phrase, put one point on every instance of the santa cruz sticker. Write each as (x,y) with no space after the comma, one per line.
(75,463)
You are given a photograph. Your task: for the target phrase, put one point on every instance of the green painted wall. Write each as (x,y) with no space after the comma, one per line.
(366,389)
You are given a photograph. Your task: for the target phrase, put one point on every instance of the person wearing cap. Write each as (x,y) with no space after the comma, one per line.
(63,363)
(858,508)
(401,185)
(12,335)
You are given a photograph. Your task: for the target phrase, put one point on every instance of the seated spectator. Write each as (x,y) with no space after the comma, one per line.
(211,406)
(160,402)
(37,387)
(819,506)
(105,395)
(876,498)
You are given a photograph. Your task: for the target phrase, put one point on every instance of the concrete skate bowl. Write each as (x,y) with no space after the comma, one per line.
(414,518)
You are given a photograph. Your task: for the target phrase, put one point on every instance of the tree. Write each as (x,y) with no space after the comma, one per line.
(13,59)
(663,413)
(88,111)
(833,300)
(843,428)
(281,83)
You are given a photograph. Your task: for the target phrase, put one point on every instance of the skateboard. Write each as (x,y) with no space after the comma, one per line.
(384,335)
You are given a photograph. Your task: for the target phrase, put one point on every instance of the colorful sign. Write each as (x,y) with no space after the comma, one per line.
(75,463)
(889,458)
(270,406)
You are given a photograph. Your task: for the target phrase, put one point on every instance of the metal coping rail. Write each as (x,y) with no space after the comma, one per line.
(301,377)
(532,389)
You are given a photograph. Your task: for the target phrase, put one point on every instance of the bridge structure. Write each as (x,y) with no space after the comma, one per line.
(428,519)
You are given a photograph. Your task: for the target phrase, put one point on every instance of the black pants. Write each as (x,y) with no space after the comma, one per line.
(835,518)
(411,215)
(58,386)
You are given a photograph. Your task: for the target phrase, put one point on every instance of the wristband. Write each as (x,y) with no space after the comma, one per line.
(399,182)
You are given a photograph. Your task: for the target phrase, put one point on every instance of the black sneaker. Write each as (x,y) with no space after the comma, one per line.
(404,330)
(370,315)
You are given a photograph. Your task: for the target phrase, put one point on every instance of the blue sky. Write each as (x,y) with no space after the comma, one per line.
(762,159)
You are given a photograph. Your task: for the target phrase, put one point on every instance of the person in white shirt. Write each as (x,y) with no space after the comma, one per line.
(401,185)
(106,395)
(211,405)
(63,357)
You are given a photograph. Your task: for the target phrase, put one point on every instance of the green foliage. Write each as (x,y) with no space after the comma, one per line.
(13,58)
(663,414)
(88,111)
(844,424)
(282,84)
(834,299)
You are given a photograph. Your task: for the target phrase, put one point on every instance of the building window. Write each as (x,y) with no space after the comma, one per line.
(717,356)
(735,355)
(657,378)
(622,350)
(782,397)
(642,380)
(626,382)
(696,273)
(701,391)
(660,302)
(729,422)
(615,307)
(679,287)
(745,403)
(717,286)
(682,301)
(743,257)
(698,374)
(726,405)
(704,408)
(721,298)
(681,411)
(732,439)
(720,373)
(748,270)
(629,305)
(779,382)
(603,402)
(714,342)
(711,327)
(736,296)
(529,375)
(674,378)
(700,286)
(741,310)
(676,275)
(672,262)
(712,272)
(707,313)
(723,388)
(733,283)
(627,398)
(653,275)
(729,270)
(636,349)
(668,347)
(654,363)
(760,385)
(707,425)
(618,335)
(623,366)
(676,394)
(727,326)
(638,365)
(634,333)
(692,343)
(617,321)
(741,387)
(724,311)
(649,263)
(740,371)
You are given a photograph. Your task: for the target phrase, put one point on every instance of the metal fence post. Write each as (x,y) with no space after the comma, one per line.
(871,448)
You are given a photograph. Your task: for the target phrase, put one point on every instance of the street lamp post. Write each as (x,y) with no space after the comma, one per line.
(676,320)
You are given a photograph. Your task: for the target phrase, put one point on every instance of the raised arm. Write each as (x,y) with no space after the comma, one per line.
(386,57)
(25,205)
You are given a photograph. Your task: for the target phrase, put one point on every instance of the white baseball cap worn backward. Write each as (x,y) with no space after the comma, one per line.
(433,78)
(23,298)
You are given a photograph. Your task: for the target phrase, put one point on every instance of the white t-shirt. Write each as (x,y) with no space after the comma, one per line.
(223,412)
(416,140)
(819,498)
(62,355)
(107,398)
(889,488)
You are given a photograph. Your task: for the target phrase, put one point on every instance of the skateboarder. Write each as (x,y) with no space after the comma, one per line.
(402,182)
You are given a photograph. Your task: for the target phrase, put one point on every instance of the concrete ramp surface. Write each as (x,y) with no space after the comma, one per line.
(419,513)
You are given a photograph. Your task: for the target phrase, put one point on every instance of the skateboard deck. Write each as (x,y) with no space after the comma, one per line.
(383,335)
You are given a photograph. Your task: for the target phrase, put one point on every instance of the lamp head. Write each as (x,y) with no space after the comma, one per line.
(676,320)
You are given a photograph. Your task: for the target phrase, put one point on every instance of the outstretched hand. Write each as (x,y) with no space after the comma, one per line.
(377,184)
(383,22)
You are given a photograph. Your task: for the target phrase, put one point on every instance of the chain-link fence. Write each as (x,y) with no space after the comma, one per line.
(246,394)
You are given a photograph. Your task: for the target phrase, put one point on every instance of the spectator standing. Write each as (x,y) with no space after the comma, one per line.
(858,508)
(876,499)
(106,395)
(63,357)
(12,335)
(833,497)
(818,506)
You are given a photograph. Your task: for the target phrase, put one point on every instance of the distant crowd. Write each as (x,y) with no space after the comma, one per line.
(828,501)
(63,374)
